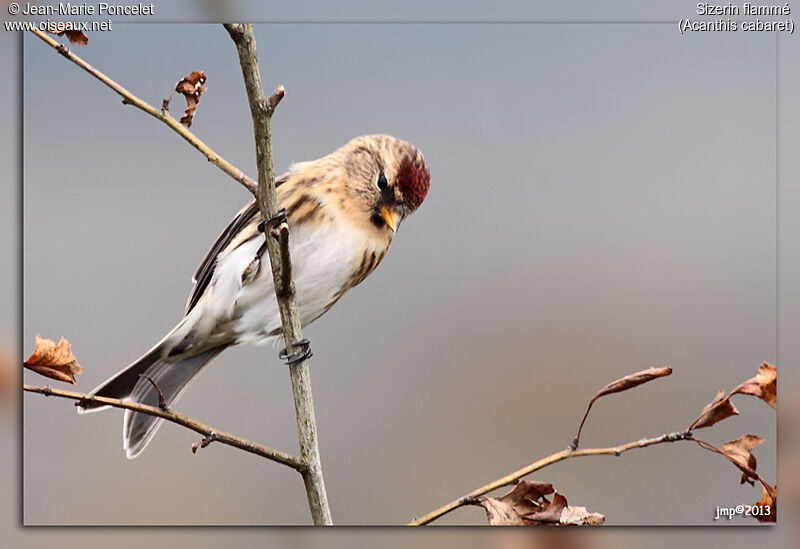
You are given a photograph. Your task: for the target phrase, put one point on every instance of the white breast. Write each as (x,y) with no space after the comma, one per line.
(323,259)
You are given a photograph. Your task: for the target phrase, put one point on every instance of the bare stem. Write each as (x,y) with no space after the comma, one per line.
(170,415)
(129,99)
(541,464)
(261,109)
(285,280)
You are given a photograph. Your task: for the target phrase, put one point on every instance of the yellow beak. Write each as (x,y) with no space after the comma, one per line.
(391,218)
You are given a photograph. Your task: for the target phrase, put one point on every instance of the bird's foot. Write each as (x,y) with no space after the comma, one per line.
(273,221)
(301,353)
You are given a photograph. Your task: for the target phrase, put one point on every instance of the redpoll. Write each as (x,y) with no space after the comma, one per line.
(343,210)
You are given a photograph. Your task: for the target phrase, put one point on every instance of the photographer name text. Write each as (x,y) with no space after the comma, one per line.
(84,8)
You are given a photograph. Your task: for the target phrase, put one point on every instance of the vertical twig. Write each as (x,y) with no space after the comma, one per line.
(261,109)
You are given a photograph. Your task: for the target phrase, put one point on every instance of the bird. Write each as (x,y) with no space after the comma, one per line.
(343,211)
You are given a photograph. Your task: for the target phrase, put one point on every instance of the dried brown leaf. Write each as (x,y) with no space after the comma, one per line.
(768,504)
(579,516)
(764,385)
(715,411)
(549,514)
(528,505)
(526,497)
(499,513)
(74,36)
(54,361)
(738,452)
(77,37)
(619,385)
(633,380)
(191,87)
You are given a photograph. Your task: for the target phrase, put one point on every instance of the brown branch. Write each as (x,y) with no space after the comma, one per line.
(261,109)
(129,99)
(170,415)
(565,454)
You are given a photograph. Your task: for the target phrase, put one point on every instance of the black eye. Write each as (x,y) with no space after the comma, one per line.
(382,182)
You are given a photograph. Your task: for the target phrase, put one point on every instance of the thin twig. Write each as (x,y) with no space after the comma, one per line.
(261,109)
(162,402)
(170,415)
(129,99)
(285,278)
(565,454)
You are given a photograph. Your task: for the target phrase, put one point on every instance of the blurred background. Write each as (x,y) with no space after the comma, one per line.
(603,200)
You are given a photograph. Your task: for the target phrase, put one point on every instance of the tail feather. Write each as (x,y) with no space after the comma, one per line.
(172,378)
(121,384)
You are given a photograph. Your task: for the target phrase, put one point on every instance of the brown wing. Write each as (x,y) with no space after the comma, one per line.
(202,277)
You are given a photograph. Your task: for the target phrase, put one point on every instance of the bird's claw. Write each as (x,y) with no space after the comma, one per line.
(302,352)
(276,219)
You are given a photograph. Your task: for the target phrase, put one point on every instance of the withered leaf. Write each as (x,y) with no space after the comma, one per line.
(54,361)
(633,380)
(763,385)
(768,502)
(579,516)
(526,497)
(559,512)
(715,411)
(74,36)
(527,505)
(549,514)
(77,37)
(499,513)
(191,87)
(619,385)
(738,452)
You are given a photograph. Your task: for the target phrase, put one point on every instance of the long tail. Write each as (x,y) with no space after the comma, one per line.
(172,378)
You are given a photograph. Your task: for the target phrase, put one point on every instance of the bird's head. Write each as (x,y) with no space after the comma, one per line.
(387,177)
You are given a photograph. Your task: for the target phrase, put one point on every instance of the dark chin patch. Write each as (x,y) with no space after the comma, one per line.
(377,220)
(413,180)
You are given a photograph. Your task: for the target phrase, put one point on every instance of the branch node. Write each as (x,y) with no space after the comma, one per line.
(675,437)
(274,99)
(165,104)
(236,30)
(208,439)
